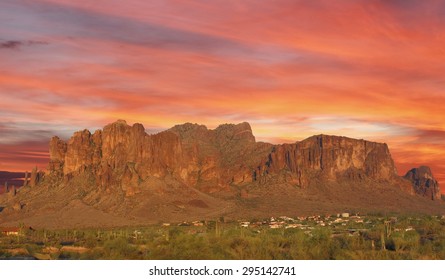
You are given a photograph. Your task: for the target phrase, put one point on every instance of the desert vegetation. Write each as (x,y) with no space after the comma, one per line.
(315,237)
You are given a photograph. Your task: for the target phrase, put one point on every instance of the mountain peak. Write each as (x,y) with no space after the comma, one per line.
(241,131)
(423,182)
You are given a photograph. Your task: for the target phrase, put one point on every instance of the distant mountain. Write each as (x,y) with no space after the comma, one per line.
(120,175)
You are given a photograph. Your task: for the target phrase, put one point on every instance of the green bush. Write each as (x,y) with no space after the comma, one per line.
(230,241)
(120,248)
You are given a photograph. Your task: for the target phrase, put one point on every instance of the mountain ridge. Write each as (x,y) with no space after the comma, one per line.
(190,171)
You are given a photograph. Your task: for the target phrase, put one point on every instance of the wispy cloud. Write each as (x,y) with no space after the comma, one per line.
(15,45)
(364,69)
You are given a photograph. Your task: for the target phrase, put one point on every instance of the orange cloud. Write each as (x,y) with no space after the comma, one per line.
(24,156)
(292,69)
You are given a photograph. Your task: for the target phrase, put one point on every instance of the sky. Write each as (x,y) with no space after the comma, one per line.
(363,69)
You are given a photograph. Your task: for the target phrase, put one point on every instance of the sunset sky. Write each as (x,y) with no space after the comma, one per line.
(292,69)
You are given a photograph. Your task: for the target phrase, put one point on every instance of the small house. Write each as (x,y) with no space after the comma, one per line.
(10,231)
(198,223)
(244,224)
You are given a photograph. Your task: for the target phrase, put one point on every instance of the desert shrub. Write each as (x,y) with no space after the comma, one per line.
(94,254)
(239,249)
(179,245)
(4,254)
(297,250)
(190,247)
(91,242)
(174,233)
(429,225)
(120,248)
(440,248)
(405,241)
(320,245)
(32,248)
(230,241)
(280,248)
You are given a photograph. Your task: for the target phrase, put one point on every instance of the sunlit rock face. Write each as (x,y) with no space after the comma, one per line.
(123,157)
(332,158)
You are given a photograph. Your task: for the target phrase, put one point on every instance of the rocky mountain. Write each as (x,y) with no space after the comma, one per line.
(423,182)
(122,156)
(125,176)
(331,158)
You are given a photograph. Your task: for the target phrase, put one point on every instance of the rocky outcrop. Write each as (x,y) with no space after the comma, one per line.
(122,156)
(119,156)
(423,182)
(36,177)
(334,158)
(215,159)
(125,158)
(12,191)
(25,182)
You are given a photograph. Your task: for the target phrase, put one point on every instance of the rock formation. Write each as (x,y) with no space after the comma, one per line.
(35,178)
(122,157)
(423,182)
(124,175)
(12,191)
(25,182)
(330,158)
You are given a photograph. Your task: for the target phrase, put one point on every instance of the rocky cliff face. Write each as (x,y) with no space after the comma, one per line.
(215,159)
(123,157)
(120,175)
(119,156)
(330,158)
(423,182)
